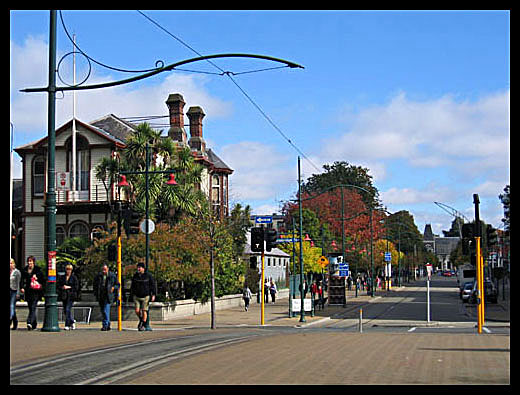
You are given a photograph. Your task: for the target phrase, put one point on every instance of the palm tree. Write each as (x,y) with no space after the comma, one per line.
(167,204)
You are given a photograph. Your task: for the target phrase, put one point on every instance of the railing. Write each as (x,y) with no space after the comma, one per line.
(97,194)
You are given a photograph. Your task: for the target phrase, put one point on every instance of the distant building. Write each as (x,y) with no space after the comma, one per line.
(440,246)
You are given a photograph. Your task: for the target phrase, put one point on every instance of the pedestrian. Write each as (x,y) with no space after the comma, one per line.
(15,278)
(349,282)
(246,295)
(321,301)
(143,291)
(273,291)
(266,290)
(314,291)
(68,286)
(106,287)
(33,281)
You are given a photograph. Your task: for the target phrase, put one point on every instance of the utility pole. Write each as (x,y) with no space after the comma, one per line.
(302,309)
(50,321)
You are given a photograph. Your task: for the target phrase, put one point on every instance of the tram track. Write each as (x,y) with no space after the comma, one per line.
(110,364)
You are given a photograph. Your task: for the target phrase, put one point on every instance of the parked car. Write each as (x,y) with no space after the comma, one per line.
(446,273)
(490,292)
(466,291)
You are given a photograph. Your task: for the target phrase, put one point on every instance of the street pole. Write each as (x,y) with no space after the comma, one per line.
(50,321)
(480,275)
(302,309)
(262,312)
(428,299)
(119,298)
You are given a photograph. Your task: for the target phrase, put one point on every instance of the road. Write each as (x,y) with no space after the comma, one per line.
(397,346)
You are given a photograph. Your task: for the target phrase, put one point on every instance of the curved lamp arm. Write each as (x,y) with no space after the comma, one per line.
(165,68)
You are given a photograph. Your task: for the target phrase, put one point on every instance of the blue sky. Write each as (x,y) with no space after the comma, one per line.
(421,98)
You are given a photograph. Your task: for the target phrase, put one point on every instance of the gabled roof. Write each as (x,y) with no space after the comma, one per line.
(218,163)
(115,126)
(97,130)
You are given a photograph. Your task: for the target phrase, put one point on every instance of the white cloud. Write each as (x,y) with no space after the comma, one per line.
(261,171)
(427,134)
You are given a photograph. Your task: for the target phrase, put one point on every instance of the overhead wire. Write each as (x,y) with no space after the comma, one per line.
(229,73)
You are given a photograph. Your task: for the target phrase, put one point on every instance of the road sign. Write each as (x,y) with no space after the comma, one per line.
(263,219)
(388,257)
(323,261)
(343,269)
(151,226)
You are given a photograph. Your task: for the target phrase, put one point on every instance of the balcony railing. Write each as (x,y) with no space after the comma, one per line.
(97,194)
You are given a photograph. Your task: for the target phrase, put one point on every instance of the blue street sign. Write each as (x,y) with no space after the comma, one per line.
(264,219)
(388,257)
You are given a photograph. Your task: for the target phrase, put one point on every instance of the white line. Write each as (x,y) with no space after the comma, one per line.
(486,329)
(412,329)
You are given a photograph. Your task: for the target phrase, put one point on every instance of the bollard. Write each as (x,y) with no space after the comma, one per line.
(360,320)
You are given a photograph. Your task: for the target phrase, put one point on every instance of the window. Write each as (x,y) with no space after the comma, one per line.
(82,162)
(38,176)
(79,229)
(60,235)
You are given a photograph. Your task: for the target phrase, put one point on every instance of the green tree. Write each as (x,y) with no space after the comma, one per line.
(344,173)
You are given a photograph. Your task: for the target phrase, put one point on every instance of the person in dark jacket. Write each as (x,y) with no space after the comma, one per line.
(32,286)
(106,287)
(68,286)
(143,291)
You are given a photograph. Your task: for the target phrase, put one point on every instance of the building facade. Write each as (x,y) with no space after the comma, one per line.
(85,210)
(440,246)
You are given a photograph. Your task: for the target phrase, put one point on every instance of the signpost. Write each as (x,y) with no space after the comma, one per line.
(263,219)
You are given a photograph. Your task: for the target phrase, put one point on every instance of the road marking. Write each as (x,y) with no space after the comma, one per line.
(412,329)
(486,329)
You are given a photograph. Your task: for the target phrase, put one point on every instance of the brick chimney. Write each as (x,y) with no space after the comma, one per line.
(196,142)
(175,103)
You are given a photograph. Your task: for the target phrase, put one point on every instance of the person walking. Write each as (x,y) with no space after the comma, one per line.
(314,291)
(33,281)
(273,291)
(106,287)
(266,290)
(68,286)
(15,278)
(143,291)
(246,295)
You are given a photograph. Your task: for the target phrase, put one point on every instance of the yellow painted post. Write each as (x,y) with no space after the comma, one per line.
(262,315)
(479,283)
(119,301)
(482,290)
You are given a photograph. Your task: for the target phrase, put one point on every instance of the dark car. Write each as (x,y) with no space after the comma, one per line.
(490,292)
(466,291)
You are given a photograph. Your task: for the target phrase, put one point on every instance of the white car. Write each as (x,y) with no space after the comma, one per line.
(467,290)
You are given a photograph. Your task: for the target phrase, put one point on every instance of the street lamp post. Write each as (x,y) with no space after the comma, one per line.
(146,173)
(50,321)
(302,309)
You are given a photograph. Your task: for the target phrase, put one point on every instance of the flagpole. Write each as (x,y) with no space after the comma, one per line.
(74,120)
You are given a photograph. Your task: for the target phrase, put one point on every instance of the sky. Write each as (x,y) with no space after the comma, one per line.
(420,98)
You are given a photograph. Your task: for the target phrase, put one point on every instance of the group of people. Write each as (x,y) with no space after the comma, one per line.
(30,282)
(269,288)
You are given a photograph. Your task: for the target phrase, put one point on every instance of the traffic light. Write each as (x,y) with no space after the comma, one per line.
(112,253)
(257,240)
(467,231)
(492,237)
(270,239)
(131,222)
(253,262)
